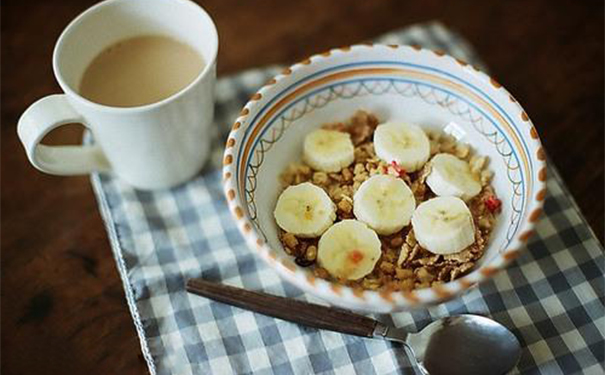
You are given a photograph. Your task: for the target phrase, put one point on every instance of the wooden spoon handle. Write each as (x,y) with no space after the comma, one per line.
(308,314)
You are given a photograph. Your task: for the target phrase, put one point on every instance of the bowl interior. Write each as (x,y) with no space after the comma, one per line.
(433,91)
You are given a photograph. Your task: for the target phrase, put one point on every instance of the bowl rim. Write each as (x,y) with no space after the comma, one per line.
(365,299)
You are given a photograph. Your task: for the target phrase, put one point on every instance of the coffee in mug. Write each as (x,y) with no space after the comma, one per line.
(139,71)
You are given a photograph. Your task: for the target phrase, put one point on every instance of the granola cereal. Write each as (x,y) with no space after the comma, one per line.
(403,265)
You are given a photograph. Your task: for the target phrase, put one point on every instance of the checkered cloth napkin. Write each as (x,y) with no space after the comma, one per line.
(551,297)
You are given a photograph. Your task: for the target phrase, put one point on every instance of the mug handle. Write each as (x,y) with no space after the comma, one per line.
(42,117)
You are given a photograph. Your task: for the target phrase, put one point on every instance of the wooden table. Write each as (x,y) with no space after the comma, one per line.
(63,307)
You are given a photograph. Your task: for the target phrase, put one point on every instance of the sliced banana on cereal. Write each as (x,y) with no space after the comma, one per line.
(385,203)
(443,225)
(304,210)
(349,250)
(451,176)
(328,150)
(406,144)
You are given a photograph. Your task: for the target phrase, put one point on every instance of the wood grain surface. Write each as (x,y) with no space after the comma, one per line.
(63,307)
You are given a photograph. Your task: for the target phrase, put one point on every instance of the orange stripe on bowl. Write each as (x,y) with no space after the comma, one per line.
(306,61)
(256,96)
(438,52)
(495,83)
(359,293)
(272,81)
(369,44)
(227,175)
(542,174)
(394,46)
(272,255)
(286,71)
(526,235)
(541,195)
(387,295)
(541,154)
(239,213)
(289,265)
(533,133)
(237,125)
(488,271)
(441,292)
(464,283)
(230,142)
(410,296)
(345,48)
(535,215)
(524,116)
(244,112)
(461,62)
(247,227)
(511,254)
(260,242)
(336,288)
(416,47)
(231,194)
(228,159)
(311,278)
(326,53)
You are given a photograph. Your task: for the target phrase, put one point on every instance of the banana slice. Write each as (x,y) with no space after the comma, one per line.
(349,250)
(443,225)
(451,176)
(407,144)
(304,210)
(385,203)
(328,150)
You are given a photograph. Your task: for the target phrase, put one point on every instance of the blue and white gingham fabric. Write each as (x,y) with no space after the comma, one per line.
(551,297)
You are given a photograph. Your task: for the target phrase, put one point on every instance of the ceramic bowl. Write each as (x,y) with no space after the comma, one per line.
(406,83)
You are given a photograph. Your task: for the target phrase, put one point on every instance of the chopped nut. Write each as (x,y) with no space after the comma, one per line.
(361,177)
(370,283)
(484,222)
(424,275)
(407,284)
(359,168)
(462,151)
(396,241)
(387,267)
(486,177)
(404,273)
(477,163)
(320,178)
(290,240)
(311,252)
(345,206)
(346,174)
(335,176)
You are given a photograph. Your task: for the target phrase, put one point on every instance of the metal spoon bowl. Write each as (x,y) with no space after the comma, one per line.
(463,344)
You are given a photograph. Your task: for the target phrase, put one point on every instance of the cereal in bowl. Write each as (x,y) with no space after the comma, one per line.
(386,205)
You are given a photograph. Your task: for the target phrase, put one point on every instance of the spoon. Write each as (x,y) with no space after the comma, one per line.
(462,344)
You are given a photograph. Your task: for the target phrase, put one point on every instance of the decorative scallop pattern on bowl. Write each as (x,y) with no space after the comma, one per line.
(410,83)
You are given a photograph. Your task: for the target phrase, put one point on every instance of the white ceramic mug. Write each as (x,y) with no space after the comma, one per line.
(152,146)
